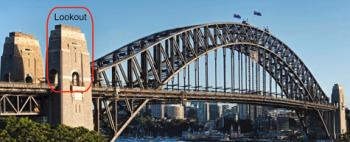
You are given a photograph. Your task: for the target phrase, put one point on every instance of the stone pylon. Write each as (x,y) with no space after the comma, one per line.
(21,60)
(69,70)
(340,116)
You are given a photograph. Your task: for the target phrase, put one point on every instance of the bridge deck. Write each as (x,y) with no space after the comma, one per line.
(23,88)
(249,98)
(168,95)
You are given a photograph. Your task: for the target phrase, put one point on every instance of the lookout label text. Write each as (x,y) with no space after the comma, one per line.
(70,17)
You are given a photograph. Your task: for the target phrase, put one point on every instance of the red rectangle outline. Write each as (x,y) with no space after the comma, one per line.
(47,47)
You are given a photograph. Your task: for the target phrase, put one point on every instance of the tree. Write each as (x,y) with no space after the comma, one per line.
(25,129)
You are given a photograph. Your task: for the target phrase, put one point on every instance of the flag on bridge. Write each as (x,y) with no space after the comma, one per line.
(237,16)
(257,13)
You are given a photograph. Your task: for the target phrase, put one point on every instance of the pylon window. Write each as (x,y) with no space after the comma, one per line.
(75,79)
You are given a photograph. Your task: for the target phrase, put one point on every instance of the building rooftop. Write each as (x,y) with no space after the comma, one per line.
(66,27)
(20,34)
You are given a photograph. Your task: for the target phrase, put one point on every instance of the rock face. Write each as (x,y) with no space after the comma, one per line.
(69,70)
(21,60)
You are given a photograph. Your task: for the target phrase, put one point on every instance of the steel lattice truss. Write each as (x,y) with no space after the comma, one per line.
(164,60)
(22,99)
(175,49)
(19,105)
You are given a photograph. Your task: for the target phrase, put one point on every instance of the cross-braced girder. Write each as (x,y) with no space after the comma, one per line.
(19,104)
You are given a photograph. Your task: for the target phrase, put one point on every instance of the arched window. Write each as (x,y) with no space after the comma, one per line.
(53,77)
(29,79)
(75,79)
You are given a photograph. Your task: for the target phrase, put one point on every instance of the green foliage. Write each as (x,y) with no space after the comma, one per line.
(25,129)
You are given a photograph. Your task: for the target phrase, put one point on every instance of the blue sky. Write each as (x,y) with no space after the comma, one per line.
(317,31)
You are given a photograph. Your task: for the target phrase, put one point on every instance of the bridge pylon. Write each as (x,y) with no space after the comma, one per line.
(69,70)
(340,115)
(21,60)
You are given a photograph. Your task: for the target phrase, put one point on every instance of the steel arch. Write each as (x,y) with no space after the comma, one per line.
(202,38)
(173,50)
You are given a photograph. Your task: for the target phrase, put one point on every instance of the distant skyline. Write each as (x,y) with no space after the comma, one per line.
(317,31)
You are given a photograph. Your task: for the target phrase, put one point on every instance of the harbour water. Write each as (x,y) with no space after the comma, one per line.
(150,139)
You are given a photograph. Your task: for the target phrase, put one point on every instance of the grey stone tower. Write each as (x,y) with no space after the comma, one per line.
(69,70)
(21,60)
(340,118)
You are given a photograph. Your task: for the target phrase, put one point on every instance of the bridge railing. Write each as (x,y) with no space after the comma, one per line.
(23,85)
